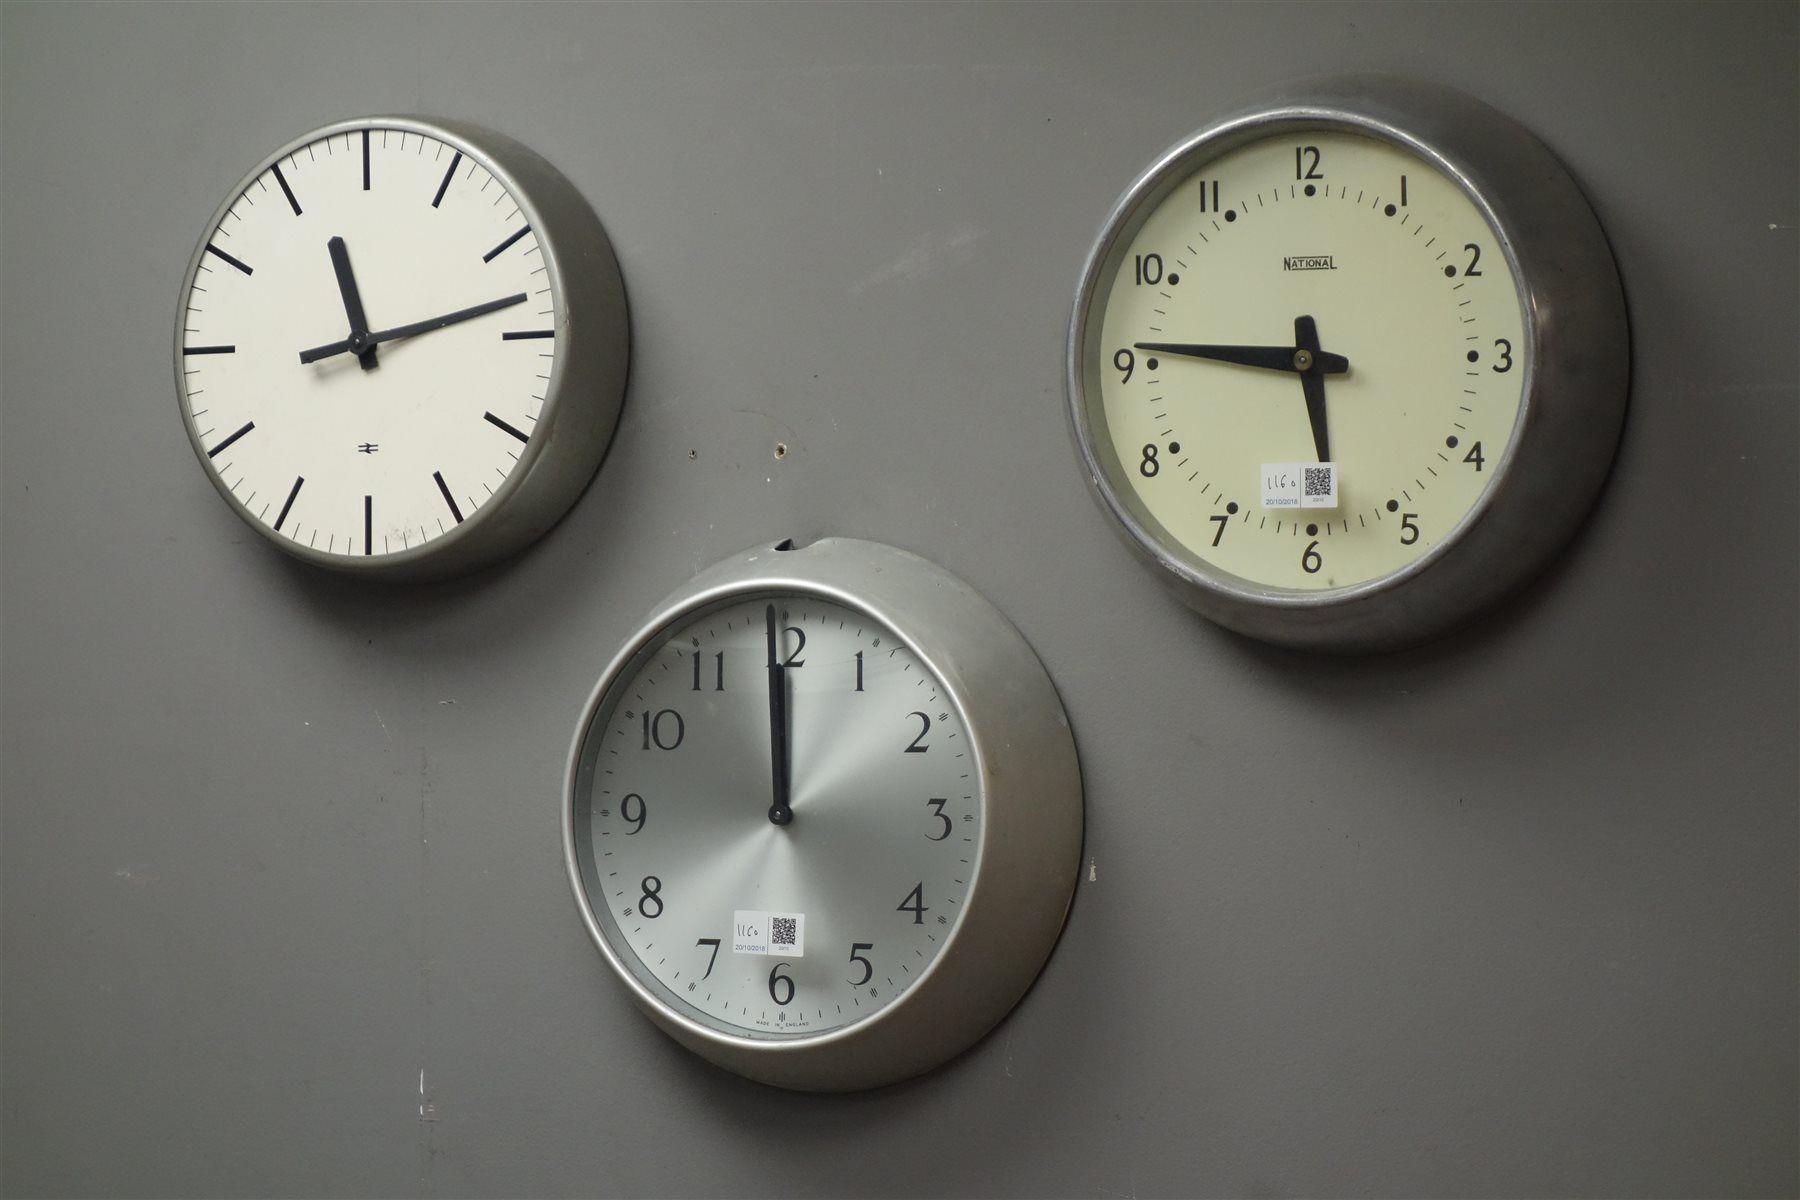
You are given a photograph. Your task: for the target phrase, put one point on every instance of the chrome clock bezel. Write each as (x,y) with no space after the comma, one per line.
(1029,797)
(582,399)
(1573,391)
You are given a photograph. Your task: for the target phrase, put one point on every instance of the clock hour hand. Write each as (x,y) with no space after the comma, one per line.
(360,342)
(353,309)
(1270,358)
(779,812)
(1312,384)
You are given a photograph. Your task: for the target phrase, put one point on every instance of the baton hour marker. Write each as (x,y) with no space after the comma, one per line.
(499,424)
(448,498)
(285,189)
(214,452)
(491,255)
(236,262)
(289,503)
(443,187)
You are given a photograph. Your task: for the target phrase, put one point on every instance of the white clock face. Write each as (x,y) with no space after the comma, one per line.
(754,920)
(1310,298)
(409,279)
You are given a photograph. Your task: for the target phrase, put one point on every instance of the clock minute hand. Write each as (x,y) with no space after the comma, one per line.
(779,811)
(1269,358)
(362,342)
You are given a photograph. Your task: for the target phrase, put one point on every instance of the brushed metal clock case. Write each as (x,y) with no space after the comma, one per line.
(587,382)
(1574,392)
(1029,852)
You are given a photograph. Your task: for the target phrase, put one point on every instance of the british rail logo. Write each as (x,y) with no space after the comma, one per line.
(1308,262)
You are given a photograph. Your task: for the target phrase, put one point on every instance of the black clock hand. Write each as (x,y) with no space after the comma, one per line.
(1312,383)
(1271,358)
(353,309)
(358,344)
(779,812)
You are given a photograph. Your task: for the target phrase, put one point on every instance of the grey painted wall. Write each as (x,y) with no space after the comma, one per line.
(1513,914)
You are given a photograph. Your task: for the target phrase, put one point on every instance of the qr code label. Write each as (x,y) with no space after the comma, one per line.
(1299,485)
(1318,486)
(756,932)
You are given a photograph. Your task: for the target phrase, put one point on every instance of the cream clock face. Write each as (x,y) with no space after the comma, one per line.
(779,816)
(380,361)
(1312,358)
(378,452)
(1348,367)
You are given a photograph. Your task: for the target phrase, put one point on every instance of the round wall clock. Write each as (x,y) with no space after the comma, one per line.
(823,815)
(1350,367)
(402,347)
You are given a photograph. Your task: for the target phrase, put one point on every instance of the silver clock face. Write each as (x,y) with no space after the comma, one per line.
(367,340)
(759,913)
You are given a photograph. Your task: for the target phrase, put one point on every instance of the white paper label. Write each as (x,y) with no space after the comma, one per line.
(783,934)
(1299,485)
(1281,485)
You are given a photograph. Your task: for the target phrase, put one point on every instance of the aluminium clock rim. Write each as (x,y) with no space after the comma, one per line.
(551,472)
(1004,925)
(1570,299)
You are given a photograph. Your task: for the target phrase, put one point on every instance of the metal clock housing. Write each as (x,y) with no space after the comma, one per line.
(581,396)
(1575,359)
(1024,781)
